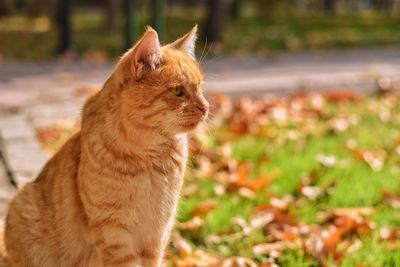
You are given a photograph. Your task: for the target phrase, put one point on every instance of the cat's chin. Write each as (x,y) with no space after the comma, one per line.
(188,127)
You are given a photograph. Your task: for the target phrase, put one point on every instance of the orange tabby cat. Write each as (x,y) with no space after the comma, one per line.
(109,196)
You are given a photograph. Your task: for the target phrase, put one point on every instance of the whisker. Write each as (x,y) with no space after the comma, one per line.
(206,54)
(202,52)
(210,60)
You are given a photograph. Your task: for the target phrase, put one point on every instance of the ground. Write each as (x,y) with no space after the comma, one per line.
(295,180)
(306,180)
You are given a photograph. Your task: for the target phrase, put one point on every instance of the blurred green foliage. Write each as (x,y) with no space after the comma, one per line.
(27,37)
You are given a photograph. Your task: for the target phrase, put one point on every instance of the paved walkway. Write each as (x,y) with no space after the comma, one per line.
(37,95)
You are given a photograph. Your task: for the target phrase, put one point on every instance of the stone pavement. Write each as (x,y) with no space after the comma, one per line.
(38,95)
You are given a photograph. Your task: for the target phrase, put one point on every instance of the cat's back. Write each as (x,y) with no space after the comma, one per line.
(59,171)
(50,202)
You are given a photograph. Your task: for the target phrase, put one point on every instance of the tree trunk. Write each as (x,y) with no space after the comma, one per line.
(130,22)
(214,21)
(383,5)
(329,6)
(63,22)
(235,9)
(158,17)
(111,10)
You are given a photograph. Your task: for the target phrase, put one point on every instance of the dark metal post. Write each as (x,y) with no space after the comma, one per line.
(158,17)
(130,23)
(214,20)
(63,21)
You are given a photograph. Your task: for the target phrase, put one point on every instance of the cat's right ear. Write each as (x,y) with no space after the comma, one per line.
(146,54)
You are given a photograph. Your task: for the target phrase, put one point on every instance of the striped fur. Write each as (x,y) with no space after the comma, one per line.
(109,196)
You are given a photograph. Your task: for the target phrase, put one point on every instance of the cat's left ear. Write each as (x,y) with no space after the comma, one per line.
(146,54)
(187,43)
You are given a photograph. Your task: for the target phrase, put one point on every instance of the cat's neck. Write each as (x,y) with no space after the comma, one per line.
(128,137)
(139,138)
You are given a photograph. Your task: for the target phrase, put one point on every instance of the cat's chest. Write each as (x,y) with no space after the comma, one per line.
(162,177)
(165,176)
(156,192)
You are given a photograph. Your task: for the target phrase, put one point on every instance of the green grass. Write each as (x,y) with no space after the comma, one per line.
(35,38)
(312,32)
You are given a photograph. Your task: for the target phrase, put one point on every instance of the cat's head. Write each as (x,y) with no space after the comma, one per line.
(160,86)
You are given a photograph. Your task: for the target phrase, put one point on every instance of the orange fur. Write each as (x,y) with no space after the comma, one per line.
(109,196)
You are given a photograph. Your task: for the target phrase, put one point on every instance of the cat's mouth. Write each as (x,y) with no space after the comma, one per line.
(190,125)
(191,122)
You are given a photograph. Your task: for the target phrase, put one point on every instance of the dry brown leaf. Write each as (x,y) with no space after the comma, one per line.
(327,160)
(345,225)
(204,207)
(258,183)
(289,234)
(49,135)
(263,180)
(238,262)
(86,90)
(392,198)
(331,239)
(353,212)
(193,224)
(189,189)
(311,192)
(376,163)
(393,245)
(183,247)
(243,172)
(283,202)
(267,248)
(281,217)
(340,95)
(246,193)
(261,218)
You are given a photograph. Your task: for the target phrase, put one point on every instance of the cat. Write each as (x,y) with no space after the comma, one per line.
(109,196)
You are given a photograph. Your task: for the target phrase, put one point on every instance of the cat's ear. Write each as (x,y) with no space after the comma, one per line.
(146,54)
(187,43)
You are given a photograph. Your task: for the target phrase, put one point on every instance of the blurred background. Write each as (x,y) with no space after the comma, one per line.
(299,162)
(101,30)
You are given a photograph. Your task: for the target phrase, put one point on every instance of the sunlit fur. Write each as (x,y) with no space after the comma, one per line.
(109,196)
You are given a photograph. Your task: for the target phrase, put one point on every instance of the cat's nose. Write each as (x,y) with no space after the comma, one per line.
(203,107)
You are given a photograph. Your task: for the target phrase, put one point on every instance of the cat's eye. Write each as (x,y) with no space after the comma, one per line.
(178,91)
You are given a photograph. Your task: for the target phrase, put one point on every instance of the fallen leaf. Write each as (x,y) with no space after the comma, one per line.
(331,238)
(353,212)
(261,218)
(267,248)
(189,189)
(183,247)
(345,224)
(392,199)
(283,202)
(246,193)
(311,192)
(193,224)
(86,90)
(327,160)
(204,207)
(393,245)
(263,180)
(238,262)
(49,135)
(281,217)
(340,95)
(370,158)
(243,172)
